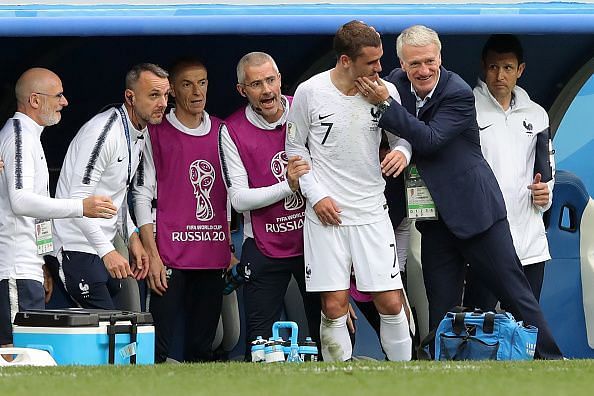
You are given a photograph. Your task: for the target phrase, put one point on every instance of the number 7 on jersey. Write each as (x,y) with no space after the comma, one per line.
(329,125)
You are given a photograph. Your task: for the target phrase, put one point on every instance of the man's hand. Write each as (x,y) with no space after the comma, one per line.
(394,163)
(1,165)
(157,275)
(116,265)
(139,259)
(327,211)
(48,283)
(540,191)
(233,261)
(375,92)
(99,206)
(351,318)
(296,168)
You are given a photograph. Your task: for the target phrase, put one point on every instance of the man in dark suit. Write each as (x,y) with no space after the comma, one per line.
(438,118)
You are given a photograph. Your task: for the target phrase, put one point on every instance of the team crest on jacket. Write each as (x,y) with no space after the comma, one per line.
(375,113)
(202,177)
(278,166)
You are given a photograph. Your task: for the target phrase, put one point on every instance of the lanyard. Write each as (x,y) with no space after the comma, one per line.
(127,133)
(125,203)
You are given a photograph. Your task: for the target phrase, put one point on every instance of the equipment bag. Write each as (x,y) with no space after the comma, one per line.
(478,335)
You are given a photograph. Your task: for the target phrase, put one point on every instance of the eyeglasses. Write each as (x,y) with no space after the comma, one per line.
(259,84)
(58,96)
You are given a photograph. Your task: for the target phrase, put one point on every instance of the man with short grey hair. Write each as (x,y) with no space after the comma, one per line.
(262,183)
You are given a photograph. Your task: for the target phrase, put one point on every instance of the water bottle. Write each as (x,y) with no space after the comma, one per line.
(273,351)
(293,355)
(235,277)
(308,350)
(258,349)
(286,347)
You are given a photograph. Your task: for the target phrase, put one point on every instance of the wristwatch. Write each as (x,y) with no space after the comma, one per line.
(383,106)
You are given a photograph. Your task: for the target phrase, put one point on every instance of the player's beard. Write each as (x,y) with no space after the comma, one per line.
(49,116)
(155,118)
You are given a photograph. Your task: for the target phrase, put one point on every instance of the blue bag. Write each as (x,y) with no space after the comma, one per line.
(481,335)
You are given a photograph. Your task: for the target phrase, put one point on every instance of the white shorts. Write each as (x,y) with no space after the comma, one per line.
(370,249)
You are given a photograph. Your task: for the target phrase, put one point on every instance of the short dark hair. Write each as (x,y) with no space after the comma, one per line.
(183,63)
(134,74)
(353,36)
(502,44)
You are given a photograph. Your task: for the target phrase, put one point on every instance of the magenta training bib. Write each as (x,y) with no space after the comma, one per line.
(278,228)
(192,228)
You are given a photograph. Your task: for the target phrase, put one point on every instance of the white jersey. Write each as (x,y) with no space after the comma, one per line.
(508,142)
(97,163)
(145,192)
(243,198)
(24,188)
(343,138)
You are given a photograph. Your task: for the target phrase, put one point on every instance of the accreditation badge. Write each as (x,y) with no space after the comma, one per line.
(43,236)
(419,204)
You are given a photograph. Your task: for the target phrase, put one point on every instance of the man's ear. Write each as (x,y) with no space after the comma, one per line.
(129,95)
(34,101)
(344,60)
(241,90)
(521,69)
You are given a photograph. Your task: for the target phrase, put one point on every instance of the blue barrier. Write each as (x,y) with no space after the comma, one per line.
(180,19)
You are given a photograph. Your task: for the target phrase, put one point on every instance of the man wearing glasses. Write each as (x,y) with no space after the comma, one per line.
(26,209)
(263,184)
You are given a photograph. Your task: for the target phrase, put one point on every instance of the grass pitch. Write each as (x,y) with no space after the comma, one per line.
(365,378)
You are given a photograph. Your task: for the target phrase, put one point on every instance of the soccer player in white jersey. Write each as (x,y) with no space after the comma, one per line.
(347,222)
(26,209)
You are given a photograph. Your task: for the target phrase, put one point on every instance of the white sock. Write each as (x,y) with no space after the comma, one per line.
(335,340)
(395,337)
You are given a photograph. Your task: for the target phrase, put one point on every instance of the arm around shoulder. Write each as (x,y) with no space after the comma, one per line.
(452,115)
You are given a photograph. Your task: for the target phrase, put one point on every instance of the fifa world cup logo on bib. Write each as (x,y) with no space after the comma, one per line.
(278,166)
(202,177)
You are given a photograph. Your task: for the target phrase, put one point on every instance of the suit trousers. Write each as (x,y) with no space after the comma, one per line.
(477,295)
(493,258)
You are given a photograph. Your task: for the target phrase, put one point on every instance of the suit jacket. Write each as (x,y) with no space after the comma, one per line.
(447,152)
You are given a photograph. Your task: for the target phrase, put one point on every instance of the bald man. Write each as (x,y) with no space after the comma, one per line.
(26,209)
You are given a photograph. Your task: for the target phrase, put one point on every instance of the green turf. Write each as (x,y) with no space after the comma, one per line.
(365,378)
